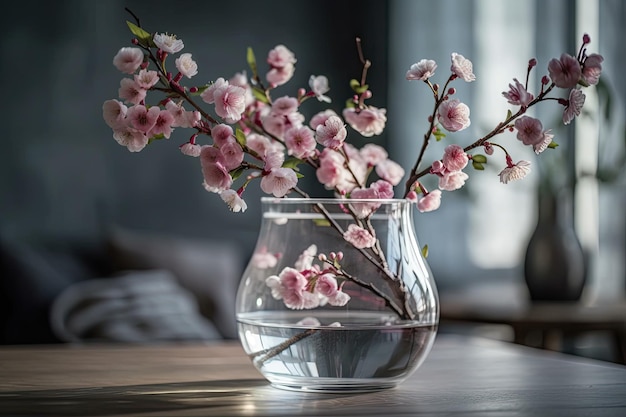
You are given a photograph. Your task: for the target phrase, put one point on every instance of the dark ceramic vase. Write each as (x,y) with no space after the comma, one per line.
(554,265)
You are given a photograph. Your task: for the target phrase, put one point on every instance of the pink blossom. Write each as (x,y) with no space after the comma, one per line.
(299,300)
(517,94)
(262,259)
(339,299)
(208,95)
(211,155)
(543,144)
(438,167)
(142,118)
(168,43)
(274,125)
(326,285)
(133,139)
(592,68)
(364,194)
(362,209)
(186,65)
(240,79)
(235,203)
(529,130)
(284,105)
(300,142)
(114,113)
(454,158)
(331,170)
(321,117)
(373,154)
(233,155)
(273,160)
(182,117)
(462,67)
(430,201)
(128,60)
(390,171)
(281,61)
(279,182)
(574,105)
(258,143)
(280,57)
(383,188)
(190,149)
(422,70)
(216,177)
(368,122)
(452,180)
(359,237)
(222,134)
(514,171)
(292,279)
(305,259)
(332,133)
(453,115)
(412,196)
(319,87)
(230,102)
(146,79)
(564,72)
(131,92)
(163,124)
(280,76)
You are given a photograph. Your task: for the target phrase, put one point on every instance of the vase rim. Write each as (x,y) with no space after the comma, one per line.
(331,200)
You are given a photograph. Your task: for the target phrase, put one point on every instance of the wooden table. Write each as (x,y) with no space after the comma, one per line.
(461,376)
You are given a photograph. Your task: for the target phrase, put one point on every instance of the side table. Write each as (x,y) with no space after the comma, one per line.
(552,322)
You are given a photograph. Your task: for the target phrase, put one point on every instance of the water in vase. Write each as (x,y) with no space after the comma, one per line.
(363,350)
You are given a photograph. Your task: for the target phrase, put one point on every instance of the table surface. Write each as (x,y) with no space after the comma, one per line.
(461,376)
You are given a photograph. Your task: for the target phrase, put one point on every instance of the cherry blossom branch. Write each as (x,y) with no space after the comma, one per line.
(500,128)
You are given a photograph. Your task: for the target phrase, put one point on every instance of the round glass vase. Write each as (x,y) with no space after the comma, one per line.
(316,312)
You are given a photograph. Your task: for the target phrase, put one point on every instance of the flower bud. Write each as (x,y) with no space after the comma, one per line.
(451,91)
(367,94)
(586,39)
(488,148)
(545,80)
(532,63)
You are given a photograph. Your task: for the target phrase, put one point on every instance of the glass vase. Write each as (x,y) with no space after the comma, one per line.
(337,296)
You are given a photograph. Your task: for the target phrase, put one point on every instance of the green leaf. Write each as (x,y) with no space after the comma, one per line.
(354,84)
(425,251)
(156,137)
(241,137)
(478,166)
(321,222)
(199,90)
(251,62)
(298,175)
(350,104)
(361,89)
(142,36)
(236,173)
(509,113)
(482,159)
(292,163)
(553,145)
(439,134)
(259,95)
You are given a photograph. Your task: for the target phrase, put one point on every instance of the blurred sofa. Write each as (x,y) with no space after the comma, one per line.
(132,287)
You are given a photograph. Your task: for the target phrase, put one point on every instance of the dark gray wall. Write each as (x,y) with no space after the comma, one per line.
(63,177)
